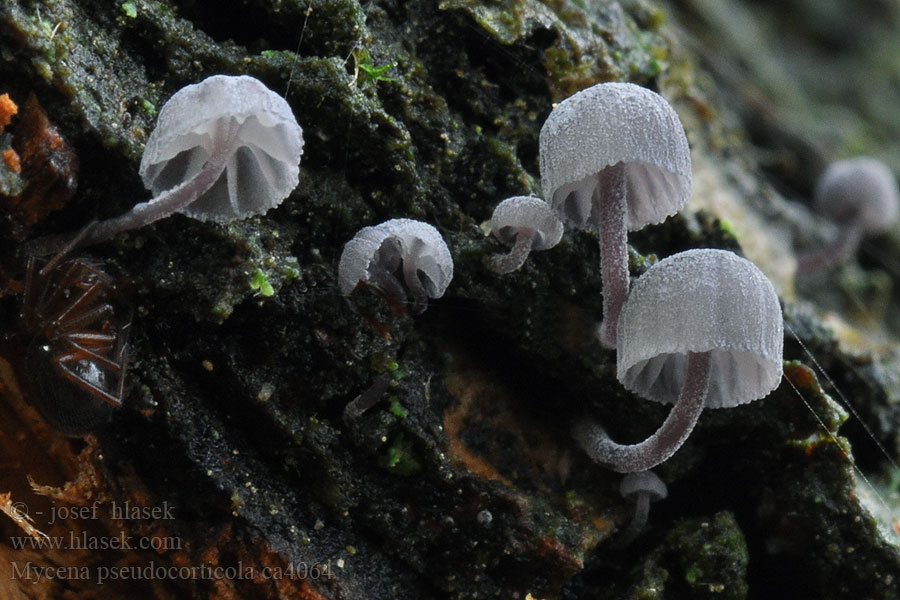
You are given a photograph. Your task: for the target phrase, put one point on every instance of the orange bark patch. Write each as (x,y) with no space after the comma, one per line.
(465,388)
(801,376)
(8,109)
(11,158)
(486,403)
(47,162)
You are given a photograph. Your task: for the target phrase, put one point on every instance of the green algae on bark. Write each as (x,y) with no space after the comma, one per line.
(698,558)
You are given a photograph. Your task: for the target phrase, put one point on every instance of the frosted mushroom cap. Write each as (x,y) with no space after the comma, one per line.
(196,122)
(646,482)
(519,212)
(861,190)
(602,126)
(386,245)
(701,301)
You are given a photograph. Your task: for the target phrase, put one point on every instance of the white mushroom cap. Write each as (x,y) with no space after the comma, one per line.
(526,212)
(196,122)
(643,482)
(607,124)
(861,190)
(385,245)
(701,301)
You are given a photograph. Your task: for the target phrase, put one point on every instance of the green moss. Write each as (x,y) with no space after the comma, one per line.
(710,554)
(505,21)
(221,311)
(383,362)
(129,9)
(399,458)
(259,282)
(370,73)
(148,107)
(648,57)
(693,574)
(397,409)
(728,229)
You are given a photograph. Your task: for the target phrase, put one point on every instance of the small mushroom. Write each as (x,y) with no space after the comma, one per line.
(860,195)
(526,223)
(376,253)
(223,149)
(643,487)
(700,328)
(614,157)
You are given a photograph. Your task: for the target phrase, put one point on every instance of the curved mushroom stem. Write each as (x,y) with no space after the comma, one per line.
(507,263)
(389,285)
(366,400)
(163,205)
(833,253)
(627,458)
(610,195)
(416,290)
(639,520)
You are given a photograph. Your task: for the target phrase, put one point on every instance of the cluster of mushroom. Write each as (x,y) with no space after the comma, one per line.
(702,328)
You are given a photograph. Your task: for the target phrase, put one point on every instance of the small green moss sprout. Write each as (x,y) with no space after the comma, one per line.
(260,283)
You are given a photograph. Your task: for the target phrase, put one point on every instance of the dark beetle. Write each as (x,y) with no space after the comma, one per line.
(76,360)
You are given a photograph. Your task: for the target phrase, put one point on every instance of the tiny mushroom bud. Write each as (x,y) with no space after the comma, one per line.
(860,195)
(614,157)
(643,487)
(700,328)
(526,223)
(415,248)
(222,149)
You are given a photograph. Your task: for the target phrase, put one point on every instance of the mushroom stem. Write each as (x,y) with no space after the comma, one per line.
(173,199)
(366,400)
(639,520)
(613,248)
(385,281)
(628,458)
(833,253)
(507,263)
(417,292)
(163,205)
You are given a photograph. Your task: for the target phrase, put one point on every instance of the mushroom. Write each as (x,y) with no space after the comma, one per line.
(526,223)
(375,253)
(223,149)
(858,194)
(643,487)
(614,157)
(700,328)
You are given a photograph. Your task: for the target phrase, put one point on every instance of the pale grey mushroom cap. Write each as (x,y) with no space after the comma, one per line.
(195,122)
(861,190)
(519,212)
(701,301)
(646,482)
(385,245)
(607,124)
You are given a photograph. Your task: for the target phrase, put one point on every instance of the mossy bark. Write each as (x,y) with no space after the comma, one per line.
(462,481)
